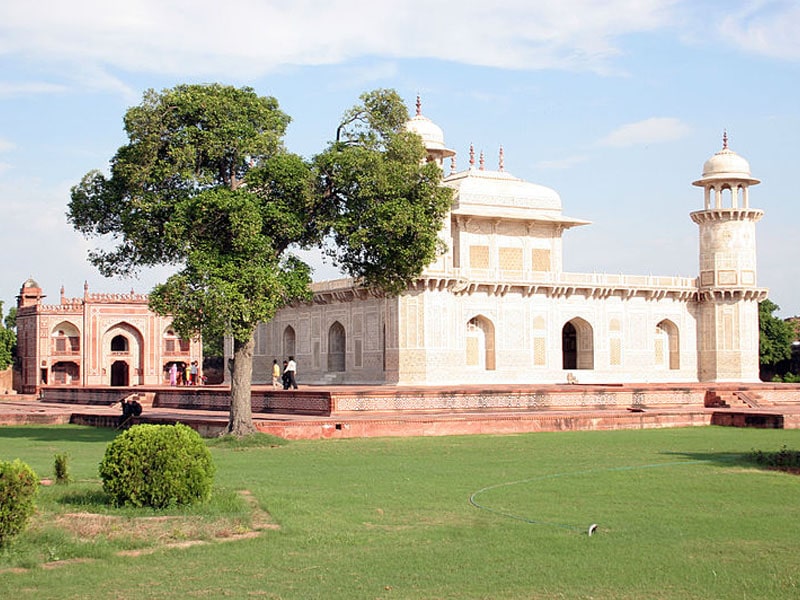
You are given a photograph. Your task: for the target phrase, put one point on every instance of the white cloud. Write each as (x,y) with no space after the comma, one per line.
(198,39)
(650,131)
(561,163)
(5,145)
(364,75)
(23,88)
(767,27)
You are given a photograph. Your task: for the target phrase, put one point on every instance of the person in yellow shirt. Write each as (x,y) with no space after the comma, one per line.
(276,374)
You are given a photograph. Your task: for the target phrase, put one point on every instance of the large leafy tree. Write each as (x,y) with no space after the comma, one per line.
(206,184)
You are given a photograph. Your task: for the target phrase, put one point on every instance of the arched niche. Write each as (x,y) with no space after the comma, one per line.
(577,344)
(480,342)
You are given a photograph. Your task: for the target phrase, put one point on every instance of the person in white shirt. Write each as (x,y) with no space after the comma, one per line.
(291,371)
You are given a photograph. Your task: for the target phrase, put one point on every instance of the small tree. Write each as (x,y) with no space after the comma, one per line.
(8,339)
(158,466)
(18,487)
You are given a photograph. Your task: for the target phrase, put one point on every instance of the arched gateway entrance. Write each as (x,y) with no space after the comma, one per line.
(120,373)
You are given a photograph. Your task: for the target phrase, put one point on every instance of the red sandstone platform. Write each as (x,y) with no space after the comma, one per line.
(782,409)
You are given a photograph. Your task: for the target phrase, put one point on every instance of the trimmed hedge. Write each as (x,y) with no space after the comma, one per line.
(18,487)
(157,466)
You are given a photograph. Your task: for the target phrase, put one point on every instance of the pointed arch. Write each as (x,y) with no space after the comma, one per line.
(667,345)
(66,339)
(481,343)
(119,343)
(337,348)
(123,354)
(289,341)
(577,344)
(66,373)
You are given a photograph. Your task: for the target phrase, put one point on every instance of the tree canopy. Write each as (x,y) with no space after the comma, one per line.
(387,200)
(8,339)
(776,335)
(205,183)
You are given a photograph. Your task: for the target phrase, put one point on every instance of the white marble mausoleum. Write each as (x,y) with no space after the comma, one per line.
(498,307)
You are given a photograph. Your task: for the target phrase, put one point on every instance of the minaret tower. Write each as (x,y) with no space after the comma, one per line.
(727,319)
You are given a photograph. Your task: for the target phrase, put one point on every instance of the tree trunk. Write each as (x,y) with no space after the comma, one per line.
(240,422)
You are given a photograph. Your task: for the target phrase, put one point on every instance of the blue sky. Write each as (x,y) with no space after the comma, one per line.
(614,104)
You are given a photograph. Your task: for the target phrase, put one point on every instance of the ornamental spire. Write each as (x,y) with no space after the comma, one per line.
(471,156)
(482,162)
(419,106)
(724,139)
(501,166)
(452,164)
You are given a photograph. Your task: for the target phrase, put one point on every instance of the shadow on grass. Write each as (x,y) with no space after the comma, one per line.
(753,459)
(85,499)
(58,433)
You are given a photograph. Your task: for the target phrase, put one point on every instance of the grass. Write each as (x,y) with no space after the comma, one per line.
(682,513)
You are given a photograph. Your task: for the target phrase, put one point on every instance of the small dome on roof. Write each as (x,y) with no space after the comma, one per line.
(30,282)
(431,134)
(726,164)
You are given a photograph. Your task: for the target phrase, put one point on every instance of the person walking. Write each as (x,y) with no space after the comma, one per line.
(173,374)
(291,369)
(276,373)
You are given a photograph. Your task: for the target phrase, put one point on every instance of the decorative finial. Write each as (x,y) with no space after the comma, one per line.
(482,163)
(724,139)
(501,166)
(471,156)
(452,164)
(419,105)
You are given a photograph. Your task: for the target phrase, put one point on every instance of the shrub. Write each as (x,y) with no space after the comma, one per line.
(18,487)
(61,468)
(158,466)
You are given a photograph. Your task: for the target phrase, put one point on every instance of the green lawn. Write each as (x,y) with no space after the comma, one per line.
(679,514)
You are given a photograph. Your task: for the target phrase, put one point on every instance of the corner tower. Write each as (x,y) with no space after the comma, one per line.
(432,136)
(727,323)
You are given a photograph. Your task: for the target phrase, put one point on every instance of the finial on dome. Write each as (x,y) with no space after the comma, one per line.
(471,156)
(419,105)
(724,139)
(501,166)
(452,164)
(482,162)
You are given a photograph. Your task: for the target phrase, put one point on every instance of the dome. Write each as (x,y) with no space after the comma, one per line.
(30,282)
(726,163)
(431,134)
